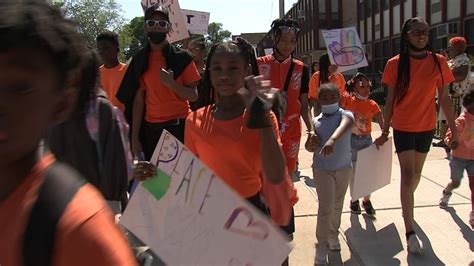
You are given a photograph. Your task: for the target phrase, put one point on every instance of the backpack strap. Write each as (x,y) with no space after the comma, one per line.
(60,185)
(288,76)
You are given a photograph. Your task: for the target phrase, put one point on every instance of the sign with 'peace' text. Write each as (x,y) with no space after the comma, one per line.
(189,216)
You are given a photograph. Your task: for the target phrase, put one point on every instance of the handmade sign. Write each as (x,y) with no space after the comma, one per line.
(370,176)
(189,216)
(178,30)
(197,22)
(344,48)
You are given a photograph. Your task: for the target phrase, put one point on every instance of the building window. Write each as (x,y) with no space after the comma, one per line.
(368,8)
(376,4)
(377,50)
(435,7)
(385,4)
(395,46)
(386,48)
(469,34)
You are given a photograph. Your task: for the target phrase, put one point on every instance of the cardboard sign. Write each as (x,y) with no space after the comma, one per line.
(178,30)
(197,22)
(370,176)
(344,48)
(189,216)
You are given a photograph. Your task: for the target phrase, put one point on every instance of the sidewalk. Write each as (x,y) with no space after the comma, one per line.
(446,234)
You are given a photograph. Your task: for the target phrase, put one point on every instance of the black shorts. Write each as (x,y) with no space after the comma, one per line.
(418,141)
(290,228)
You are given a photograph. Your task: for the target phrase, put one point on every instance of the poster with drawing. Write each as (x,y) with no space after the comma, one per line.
(197,22)
(178,30)
(370,176)
(344,48)
(188,216)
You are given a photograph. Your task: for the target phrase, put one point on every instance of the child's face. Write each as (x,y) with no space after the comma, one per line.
(228,71)
(287,43)
(328,97)
(30,101)
(362,87)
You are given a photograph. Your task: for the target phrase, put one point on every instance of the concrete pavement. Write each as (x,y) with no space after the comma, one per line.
(446,234)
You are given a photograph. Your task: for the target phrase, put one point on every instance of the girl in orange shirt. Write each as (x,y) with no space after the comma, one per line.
(413,77)
(364,110)
(237,137)
(327,73)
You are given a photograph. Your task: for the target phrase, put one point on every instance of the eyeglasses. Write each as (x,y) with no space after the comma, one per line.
(418,33)
(160,23)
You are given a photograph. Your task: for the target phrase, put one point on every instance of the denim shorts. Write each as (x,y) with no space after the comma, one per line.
(359,143)
(458,165)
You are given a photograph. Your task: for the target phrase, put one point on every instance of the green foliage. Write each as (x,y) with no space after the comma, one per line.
(216,34)
(95,16)
(133,37)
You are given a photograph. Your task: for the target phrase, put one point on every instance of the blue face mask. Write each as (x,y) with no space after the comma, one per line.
(329,108)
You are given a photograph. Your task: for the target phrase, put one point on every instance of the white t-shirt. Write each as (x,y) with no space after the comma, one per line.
(461,60)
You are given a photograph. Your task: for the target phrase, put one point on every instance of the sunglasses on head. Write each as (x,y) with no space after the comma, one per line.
(418,33)
(286,28)
(160,23)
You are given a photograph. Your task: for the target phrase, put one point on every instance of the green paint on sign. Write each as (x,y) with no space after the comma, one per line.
(157,185)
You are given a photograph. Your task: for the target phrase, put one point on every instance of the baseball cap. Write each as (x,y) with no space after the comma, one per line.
(156,9)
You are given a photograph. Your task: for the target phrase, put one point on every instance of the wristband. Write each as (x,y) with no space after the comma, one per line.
(385,132)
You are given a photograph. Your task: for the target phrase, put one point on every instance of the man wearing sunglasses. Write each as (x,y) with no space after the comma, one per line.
(158,86)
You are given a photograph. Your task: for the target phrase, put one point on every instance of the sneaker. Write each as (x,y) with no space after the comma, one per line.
(439,144)
(471,219)
(334,244)
(368,208)
(355,207)
(321,255)
(414,244)
(443,202)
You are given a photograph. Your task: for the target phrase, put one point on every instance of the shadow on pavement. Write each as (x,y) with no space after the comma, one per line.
(429,257)
(466,231)
(373,247)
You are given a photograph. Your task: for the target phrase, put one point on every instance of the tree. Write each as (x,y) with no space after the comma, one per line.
(216,34)
(95,16)
(133,36)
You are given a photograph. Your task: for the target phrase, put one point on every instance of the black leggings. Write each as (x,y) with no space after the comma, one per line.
(152,133)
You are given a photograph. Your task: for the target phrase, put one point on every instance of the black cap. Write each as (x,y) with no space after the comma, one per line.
(156,9)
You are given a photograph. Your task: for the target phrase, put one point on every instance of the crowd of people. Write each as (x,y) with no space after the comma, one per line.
(76,135)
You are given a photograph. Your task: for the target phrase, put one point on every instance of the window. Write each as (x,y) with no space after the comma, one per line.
(385,4)
(368,8)
(435,7)
(376,4)
(395,46)
(377,50)
(386,48)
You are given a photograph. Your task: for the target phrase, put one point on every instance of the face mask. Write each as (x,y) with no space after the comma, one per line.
(416,49)
(360,97)
(330,108)
(156,37)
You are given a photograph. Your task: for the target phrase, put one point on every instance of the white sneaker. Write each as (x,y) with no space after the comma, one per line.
(321,255)
(334,244)
(443,202)
(471,219)
(414,245)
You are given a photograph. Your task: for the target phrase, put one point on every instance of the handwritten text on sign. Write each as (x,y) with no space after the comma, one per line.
(199,220)
(178,30)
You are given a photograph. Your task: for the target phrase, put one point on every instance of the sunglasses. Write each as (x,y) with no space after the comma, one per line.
(292,29)
(418,33)
(160,23)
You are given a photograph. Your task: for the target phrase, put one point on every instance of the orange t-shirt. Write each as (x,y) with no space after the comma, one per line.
(336,78)
(110,80)
(227,147)
(363,110)
(417,111)
(86,233)
(162,104)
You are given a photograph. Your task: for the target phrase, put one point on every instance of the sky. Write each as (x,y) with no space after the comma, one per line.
(237,16)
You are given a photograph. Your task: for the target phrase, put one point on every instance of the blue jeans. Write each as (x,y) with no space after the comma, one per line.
(458,165)
(359,143)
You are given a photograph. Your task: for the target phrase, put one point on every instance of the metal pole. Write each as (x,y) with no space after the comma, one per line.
(282,8)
